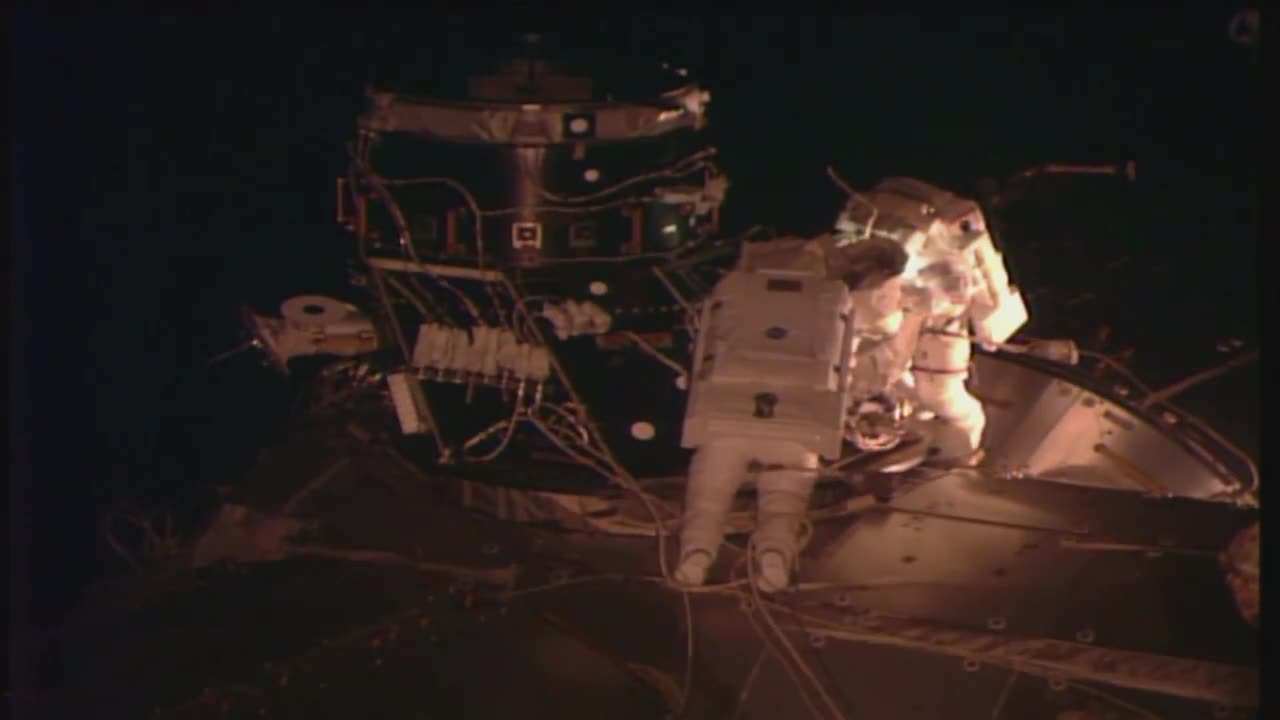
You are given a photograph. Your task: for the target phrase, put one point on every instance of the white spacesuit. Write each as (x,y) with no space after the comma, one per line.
(803,331)
(953,289)
(769,396)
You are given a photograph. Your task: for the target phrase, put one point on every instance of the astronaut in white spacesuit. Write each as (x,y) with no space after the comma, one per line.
(770,395)
(879,311)
(953,290)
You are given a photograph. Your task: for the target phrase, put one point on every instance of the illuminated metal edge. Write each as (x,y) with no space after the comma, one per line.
(1046,558)
(679,95)
(1044,657)
(1023,411)
(490,122)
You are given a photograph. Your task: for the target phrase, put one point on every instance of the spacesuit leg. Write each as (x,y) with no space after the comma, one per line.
(782,501)
(718,469)
(940,367)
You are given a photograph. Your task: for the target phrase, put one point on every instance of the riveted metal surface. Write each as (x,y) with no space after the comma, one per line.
(1051,426)
(1046,564)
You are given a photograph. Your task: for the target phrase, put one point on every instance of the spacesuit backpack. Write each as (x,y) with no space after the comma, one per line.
(771,355)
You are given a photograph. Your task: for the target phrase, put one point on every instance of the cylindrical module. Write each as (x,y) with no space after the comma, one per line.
(543,168)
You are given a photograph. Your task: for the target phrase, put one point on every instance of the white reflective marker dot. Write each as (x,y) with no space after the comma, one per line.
(682,382)
(591,175)
(597,288)
(579,125)
(642,430)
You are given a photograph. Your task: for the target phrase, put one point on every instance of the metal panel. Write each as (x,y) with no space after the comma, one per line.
(1058,430)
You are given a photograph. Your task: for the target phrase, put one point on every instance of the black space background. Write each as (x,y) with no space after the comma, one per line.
(167,168)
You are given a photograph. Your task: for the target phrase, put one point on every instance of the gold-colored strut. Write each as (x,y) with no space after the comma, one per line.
(1131,471)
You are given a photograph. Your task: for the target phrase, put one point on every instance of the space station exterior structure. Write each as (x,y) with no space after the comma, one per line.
(546,318)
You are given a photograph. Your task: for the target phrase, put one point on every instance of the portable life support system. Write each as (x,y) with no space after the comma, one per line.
(772,354)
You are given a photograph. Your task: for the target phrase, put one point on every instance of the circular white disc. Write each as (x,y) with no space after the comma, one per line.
(597,288)
(314,310)
(682,382)
(643,430)
(591,175)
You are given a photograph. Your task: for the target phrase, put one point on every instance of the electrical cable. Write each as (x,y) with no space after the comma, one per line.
(1197,378)
(427,316)
(406,242)
(790,670)
(510,426)
(786,642)
(654,353)
(749,602)
(455,185)
(1117,367)
(691,313)
(677,169)
(1108,697)
(843,185)
(822,665)
(232,352)
(746,684)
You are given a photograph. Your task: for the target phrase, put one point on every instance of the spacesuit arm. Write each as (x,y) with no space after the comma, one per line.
(997,310)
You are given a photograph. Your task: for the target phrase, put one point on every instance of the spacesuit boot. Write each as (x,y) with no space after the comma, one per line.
(772,574)
(718,469)
(784,486)
(692,570)
(783,489)
(939,369)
